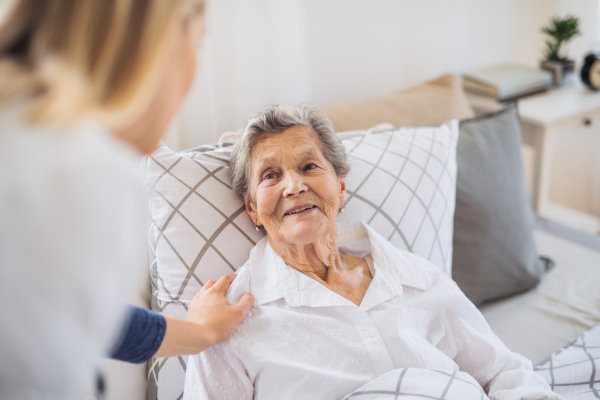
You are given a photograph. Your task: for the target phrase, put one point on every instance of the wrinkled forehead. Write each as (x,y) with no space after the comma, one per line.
(297,142)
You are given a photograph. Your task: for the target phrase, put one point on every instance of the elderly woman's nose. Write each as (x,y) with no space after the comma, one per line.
(294,184)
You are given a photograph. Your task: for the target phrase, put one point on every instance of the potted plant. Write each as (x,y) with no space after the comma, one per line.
(560,30)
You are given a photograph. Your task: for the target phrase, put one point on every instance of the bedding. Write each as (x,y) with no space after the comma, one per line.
(418,384)
(402,183)
(565,304)
(574,371)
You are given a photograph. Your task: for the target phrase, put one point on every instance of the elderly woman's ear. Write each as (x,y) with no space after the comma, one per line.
(342,192)
(251,210)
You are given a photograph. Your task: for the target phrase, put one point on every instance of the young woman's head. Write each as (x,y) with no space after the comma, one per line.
(128,63)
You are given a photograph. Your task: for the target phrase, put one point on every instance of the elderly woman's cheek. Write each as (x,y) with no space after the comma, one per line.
(331,207)
(266,201)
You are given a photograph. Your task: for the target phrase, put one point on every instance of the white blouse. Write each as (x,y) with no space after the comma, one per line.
(303,341)
(72,247)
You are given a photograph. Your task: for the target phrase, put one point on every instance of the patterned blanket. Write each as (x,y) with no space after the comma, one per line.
(573,371)
(419,384)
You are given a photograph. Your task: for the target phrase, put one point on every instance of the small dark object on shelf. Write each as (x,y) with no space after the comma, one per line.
(590,72)
(560,70)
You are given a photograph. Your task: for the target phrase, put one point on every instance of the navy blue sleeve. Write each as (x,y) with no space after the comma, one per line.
(143,335)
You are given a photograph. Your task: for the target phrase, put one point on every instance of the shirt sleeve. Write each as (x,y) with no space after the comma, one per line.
(477,350)
(217,373)
(143,335)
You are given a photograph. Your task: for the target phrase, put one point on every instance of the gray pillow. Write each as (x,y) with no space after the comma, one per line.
(495,254)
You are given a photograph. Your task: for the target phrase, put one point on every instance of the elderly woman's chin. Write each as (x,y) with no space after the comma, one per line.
(306,227)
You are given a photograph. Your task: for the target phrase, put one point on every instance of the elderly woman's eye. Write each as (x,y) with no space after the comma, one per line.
(310,166)
(270,176)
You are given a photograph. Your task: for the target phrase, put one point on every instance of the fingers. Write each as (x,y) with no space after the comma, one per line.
(223,283)
(245,303)
(208,285)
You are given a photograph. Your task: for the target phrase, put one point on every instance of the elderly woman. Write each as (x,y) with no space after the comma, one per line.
(335,306)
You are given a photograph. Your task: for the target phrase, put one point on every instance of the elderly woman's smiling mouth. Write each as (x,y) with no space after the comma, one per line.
(300,210)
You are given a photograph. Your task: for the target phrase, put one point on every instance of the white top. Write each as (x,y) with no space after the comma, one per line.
(559,105)
(303,341)
(72,244)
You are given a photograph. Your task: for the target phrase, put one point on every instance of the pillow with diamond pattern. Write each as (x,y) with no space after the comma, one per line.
(402,183)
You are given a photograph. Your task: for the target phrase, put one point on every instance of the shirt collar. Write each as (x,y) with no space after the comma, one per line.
(272,279)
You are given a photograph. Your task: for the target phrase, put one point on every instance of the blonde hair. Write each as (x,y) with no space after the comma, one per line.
(75,58)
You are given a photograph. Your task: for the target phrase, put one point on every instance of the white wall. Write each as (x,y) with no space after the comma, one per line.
(327,51)
(589,12)
(383,45)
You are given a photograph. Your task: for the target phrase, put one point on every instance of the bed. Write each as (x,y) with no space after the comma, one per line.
(564,305)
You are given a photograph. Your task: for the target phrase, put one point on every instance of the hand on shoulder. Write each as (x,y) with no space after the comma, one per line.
(210,320)
(211,310)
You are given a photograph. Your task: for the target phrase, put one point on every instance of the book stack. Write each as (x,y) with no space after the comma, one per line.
(507,82)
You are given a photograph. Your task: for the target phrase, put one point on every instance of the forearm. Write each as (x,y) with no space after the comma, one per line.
(210,320)
(184,337)
(143,334)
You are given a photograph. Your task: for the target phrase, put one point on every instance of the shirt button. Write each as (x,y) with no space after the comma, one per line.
(370,333)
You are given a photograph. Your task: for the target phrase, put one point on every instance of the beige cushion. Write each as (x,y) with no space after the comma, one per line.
(430,103)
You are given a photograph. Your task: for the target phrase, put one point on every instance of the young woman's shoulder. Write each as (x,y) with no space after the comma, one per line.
(84,154)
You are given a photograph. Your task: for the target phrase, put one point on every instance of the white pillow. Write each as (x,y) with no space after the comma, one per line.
(402,183)
(199,230)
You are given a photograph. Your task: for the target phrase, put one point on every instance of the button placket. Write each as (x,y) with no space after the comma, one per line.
(372,340)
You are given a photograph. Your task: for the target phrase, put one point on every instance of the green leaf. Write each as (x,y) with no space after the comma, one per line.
(560,30)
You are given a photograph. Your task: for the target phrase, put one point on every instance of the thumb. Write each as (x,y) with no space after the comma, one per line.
(245,303)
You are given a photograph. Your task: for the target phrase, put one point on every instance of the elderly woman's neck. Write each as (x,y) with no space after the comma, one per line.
(315,259)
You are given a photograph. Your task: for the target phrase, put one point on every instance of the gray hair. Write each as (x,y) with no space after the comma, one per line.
(276,118)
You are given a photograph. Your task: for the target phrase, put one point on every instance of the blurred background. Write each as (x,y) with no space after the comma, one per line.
(332,51)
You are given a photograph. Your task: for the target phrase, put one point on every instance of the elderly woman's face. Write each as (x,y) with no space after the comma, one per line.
(294,191)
